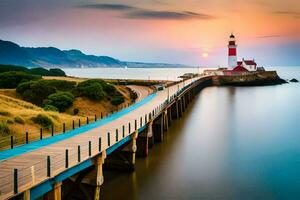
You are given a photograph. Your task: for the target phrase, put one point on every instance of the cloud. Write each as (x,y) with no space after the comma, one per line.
(105,6)
(167,15)
(270,36)
(290,13)
(132,12)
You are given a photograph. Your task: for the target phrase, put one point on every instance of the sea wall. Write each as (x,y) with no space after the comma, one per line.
(250,79)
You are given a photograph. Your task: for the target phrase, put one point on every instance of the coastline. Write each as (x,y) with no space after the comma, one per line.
(262,78)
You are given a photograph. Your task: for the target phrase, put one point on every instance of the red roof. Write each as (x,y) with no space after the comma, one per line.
(239,63)
(239,69)
(250,62)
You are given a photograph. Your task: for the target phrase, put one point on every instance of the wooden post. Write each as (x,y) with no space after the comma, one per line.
(90,148)
(134,147)
(26,195)
(73,124)
(16,181)
(78,153)
(41,133)
(67,158)
(87,120)
(166,119)
(108,139)
(64,127)
(95,117)
(99,179)
(55,194)
(32,175)
(101,115)
(117,135)
(11,142)
(26,137)
(129,131)
(79,123)
(99,144)
(177,109)
(48,167)
(52,130)
(123,131)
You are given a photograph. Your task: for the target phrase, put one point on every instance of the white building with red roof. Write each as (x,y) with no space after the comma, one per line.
(233,64)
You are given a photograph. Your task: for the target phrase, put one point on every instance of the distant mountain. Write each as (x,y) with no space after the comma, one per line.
(13,54)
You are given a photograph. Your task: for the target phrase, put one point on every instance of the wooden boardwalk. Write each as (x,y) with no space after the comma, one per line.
(32,166)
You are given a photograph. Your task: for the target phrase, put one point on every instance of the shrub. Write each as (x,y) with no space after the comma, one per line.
(40,71)
(4,129)
(5,113)
(75,111)
(9,68)
(117,100)
(42,120)
(133,95)
(13,79)
(36,71)
(91,89)
(109,89)
(19,120)
(48,107)
(61,100)
(61,85)
(37,91)
(9,121)
(57,72)
(22,87)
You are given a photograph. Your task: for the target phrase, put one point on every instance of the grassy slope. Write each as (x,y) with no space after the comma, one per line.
(12,106)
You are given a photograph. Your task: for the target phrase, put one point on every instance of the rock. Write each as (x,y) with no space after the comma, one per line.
(294,80)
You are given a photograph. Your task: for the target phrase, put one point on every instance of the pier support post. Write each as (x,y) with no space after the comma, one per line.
(150,134)
(124,158)
(158,129)
(169,113)
(166,120)
(99,179)
(173,109)
(132,150)
(26,195)
(144,141)
(184,102)
(179,108)
(55,194)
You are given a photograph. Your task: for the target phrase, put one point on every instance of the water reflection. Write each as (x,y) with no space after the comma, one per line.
(232,143)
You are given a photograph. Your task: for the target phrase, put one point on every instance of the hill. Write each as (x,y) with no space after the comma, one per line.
(13,54)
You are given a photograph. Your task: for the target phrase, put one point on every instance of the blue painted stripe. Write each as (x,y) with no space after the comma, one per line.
(40,190)
(117,145)
(74,170)
(123,141)
(47,141)
(47,186)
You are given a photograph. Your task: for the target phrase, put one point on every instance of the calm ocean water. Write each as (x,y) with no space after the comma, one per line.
(131,73)
(232,143)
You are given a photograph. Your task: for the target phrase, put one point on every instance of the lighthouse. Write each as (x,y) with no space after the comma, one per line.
(232,58)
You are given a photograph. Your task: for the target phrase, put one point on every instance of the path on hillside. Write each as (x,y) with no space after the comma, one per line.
(141,91)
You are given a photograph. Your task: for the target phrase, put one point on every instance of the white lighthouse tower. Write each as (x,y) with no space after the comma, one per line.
(232,58)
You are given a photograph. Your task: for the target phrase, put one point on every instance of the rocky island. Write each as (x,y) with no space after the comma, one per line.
(249,79)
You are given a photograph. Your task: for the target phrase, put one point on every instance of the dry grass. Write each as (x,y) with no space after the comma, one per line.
(89,107)
(11,106)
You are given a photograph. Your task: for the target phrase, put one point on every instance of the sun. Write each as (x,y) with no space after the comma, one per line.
(205,55)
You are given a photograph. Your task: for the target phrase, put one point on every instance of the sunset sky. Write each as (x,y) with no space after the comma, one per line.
(193,32)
